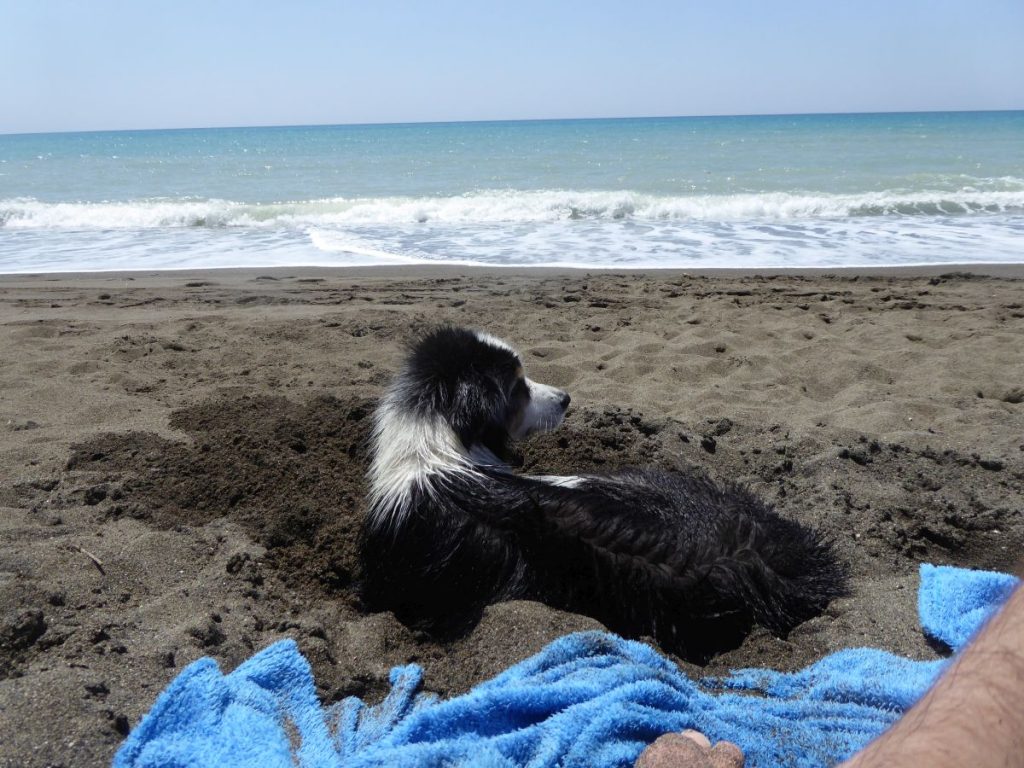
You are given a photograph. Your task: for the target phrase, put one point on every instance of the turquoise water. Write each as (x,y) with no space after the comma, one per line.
(813,190)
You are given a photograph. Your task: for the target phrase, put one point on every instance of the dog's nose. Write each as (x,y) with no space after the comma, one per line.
(564,400)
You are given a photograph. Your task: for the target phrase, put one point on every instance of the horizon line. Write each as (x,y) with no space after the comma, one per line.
(400,123)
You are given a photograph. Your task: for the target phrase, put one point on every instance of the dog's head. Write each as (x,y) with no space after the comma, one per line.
(476,384)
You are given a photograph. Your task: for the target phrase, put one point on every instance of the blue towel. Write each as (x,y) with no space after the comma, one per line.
(587,699)
(957,601)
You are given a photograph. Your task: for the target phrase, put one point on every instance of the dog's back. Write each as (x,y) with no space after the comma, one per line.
(676,556)
(646,552)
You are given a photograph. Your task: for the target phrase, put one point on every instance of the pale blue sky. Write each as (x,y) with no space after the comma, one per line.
(104,64)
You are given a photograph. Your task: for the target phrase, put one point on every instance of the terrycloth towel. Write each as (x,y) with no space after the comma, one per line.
(588,699)
(954,602)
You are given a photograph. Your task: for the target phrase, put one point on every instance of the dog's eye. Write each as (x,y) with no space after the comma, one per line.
(520,391)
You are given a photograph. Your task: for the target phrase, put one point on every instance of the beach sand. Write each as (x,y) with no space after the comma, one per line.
(181,458)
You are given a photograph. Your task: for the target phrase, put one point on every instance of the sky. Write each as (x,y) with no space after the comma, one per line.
(107,64)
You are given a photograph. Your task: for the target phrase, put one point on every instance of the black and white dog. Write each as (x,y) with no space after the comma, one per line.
(450,528)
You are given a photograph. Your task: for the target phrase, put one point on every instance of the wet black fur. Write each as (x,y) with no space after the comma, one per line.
(672,555)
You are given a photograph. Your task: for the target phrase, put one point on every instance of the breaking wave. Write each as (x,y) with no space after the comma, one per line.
(494,207)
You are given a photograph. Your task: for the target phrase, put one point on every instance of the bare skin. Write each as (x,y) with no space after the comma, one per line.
(974,714)
(689,749)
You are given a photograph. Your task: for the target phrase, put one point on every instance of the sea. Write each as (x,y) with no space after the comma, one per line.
(681,192)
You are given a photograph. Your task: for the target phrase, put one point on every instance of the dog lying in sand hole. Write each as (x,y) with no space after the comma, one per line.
(450,527)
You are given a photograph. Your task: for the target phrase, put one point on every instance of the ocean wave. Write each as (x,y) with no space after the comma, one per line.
(591,244)
(506,206)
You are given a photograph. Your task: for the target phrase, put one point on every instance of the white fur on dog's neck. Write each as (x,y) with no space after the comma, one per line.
(407,450)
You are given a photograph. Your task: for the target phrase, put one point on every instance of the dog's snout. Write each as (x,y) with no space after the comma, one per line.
(544,410)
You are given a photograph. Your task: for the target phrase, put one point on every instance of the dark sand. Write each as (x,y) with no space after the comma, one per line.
(200,435)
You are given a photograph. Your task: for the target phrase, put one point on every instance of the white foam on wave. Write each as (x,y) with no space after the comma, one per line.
(508,207)
(594,230)
(591,244)
(366,253)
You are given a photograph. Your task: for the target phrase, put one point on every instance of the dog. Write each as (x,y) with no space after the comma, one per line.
(451,528)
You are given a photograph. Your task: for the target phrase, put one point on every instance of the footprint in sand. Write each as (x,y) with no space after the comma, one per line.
(548,353)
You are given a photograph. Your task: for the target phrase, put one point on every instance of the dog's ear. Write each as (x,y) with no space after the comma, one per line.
(477,403)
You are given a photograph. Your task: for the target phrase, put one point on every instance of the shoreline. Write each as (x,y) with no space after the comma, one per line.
(1011,271)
